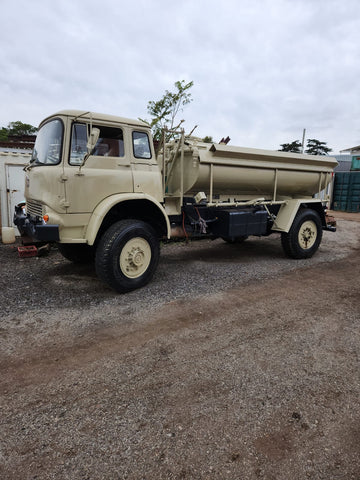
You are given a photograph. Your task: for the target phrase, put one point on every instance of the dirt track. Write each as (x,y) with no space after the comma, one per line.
(231,364)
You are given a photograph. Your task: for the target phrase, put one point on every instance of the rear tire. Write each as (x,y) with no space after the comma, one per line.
(304,236)
(127,255)
(77,252)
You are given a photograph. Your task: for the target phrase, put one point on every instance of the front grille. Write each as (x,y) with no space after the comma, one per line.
(34,208)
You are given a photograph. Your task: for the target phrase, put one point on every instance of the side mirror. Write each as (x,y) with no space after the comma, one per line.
(92,140)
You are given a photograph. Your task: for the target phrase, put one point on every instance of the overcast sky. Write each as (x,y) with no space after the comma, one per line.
(263,70)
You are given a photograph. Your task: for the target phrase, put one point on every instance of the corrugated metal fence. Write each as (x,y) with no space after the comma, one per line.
(346,193)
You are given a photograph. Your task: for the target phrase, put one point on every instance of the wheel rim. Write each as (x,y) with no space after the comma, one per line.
(307,234)
(135,257)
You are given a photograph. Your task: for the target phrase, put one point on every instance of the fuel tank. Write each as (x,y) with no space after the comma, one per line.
(244,172)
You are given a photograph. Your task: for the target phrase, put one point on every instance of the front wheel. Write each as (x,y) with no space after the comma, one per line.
(127,255)
(304,236)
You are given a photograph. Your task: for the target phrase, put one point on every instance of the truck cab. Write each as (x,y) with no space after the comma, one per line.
(69,180)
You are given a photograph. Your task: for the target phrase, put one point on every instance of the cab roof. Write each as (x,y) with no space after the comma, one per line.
(104,118)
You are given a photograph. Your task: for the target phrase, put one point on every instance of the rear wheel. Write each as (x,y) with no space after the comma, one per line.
(77,252)
(127,255)
(304,236)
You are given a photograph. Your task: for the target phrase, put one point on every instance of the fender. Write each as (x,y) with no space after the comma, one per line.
(289,209)
(103,208)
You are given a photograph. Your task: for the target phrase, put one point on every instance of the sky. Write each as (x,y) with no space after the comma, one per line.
(263,70)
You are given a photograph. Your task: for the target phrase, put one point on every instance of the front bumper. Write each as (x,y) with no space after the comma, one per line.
(35,229)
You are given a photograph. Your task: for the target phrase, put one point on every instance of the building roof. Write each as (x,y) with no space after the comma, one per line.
(351,149)
(15,149)
(18,143)
(344,163)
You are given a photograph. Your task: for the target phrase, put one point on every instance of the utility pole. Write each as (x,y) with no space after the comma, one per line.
(303,141)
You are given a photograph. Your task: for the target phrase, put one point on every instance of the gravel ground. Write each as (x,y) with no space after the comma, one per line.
(235,362)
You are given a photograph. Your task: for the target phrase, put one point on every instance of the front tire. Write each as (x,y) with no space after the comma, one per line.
(304,236)
(127,255)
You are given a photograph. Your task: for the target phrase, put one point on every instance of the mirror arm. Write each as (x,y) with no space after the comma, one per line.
(86,156)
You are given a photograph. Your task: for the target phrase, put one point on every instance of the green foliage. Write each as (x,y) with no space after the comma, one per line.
(19,128)
(208,139)
(164,111)
(15,129)
(314,147)
(294,147)
(4,133)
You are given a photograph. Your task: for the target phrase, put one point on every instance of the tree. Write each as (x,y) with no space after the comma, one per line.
(294,147)
(314,147)
(208,139)
(18,128)
(164,111)
(4,133)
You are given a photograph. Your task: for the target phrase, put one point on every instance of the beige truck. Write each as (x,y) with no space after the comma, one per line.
(96,186)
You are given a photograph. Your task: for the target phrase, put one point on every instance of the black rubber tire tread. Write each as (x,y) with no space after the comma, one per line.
(235,239)
(290,242)
(109,249)
(77,252)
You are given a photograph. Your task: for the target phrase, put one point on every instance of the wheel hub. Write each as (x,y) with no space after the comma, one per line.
(135,257)
(307,234)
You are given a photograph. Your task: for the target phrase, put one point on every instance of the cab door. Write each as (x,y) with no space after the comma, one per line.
(106,172)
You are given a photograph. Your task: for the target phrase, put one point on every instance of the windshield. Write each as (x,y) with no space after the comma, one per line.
(47,148)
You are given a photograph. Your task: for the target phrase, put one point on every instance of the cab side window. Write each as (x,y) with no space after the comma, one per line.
(141,145)
(110,143)
(78,144)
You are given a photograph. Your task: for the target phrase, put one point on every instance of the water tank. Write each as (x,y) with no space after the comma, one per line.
(246,172)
